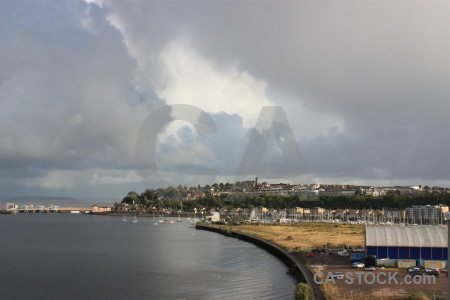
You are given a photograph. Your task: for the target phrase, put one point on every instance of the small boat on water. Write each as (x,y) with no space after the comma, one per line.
(124,218)
(134,220)
(156,223)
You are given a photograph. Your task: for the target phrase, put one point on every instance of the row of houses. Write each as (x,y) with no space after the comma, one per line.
(335,190)
(136,208)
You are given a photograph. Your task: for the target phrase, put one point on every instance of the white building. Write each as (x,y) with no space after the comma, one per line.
(427,214)
(215,217)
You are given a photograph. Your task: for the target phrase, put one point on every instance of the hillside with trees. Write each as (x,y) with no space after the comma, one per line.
(227,195)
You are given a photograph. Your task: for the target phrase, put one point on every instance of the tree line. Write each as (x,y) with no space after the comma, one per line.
(172,197)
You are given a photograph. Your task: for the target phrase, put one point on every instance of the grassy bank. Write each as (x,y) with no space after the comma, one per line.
(305,235)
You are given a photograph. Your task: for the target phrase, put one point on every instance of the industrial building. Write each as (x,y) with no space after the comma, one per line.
(406,246)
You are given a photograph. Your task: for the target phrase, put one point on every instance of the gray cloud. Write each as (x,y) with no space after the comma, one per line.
(363,84)
(380,68)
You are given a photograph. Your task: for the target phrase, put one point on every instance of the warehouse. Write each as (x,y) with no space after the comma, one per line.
(406,246)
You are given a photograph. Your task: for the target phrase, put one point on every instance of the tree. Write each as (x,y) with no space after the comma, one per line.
(172,193)
(303,292)
(150,194)
(159,204)
(131,198)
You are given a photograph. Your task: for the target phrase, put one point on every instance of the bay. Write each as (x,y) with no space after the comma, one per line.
(77,256)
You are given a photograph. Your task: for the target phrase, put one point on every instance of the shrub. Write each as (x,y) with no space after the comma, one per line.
(303,292)
(419,296)
(228,232)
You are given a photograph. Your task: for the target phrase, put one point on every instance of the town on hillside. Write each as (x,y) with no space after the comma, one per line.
(283,202)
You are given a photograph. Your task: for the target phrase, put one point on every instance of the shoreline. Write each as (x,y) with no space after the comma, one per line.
(287,258)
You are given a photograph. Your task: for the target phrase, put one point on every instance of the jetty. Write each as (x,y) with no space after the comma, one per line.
(13,208)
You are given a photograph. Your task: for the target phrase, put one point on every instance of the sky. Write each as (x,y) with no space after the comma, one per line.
(98,98)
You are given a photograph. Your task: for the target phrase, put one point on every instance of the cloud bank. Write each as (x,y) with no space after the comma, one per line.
(363,85)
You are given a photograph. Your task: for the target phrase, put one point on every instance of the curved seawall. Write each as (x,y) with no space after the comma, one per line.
(277,251)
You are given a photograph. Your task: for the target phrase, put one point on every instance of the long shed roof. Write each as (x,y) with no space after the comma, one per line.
(407,236)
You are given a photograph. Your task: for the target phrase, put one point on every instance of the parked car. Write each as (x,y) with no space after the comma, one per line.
(342,252)
(309,255)
(431,269)
(433,273)
(338,275)
(413,269)
(358,265)
(372,268)
(416,273)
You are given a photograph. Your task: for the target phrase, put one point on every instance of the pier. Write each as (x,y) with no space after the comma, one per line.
(30,208)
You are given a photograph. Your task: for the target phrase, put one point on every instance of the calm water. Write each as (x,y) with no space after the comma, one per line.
(67,256)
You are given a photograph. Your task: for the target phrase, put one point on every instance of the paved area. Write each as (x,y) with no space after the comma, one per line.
(380,283)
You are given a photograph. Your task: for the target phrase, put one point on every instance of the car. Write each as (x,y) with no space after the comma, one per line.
(358,265)
(433,273)
(416,273)
(413,269)
(372,268)
(431,269)
(338,275)
(309,255)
